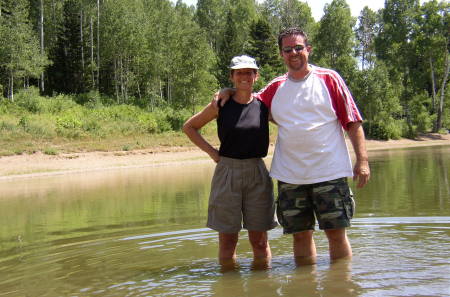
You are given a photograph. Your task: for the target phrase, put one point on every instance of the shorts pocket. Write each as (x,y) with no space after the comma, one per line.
(349,204)
(220,183)
(279,213)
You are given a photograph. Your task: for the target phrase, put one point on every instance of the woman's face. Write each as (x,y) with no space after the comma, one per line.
(243,79)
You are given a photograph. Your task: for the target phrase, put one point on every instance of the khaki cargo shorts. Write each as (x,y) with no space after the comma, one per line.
(241,196)
(298,206)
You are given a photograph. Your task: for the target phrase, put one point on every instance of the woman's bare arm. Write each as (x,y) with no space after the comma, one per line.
(192,126)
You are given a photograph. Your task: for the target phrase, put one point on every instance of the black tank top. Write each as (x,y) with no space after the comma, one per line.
(243,129)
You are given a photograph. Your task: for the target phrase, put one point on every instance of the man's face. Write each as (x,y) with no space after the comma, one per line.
(295,53)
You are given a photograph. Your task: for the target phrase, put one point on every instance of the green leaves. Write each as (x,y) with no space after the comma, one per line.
(19,54)
(335,41)
(159,54)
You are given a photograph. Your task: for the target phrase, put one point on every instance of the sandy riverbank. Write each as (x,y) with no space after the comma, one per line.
(27,166)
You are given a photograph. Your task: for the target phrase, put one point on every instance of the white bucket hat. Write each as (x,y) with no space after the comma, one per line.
(240,62)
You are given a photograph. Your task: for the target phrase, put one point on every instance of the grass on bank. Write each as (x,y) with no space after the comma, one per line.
(59,124)
(90,122)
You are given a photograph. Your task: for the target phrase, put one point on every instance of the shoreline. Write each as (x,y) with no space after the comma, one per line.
(39,164)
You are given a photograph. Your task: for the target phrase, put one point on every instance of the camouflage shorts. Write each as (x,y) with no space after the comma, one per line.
(331,202)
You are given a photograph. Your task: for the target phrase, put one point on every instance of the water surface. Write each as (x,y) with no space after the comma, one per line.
(141,232)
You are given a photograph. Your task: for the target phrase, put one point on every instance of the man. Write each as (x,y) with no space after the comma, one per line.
(312,106)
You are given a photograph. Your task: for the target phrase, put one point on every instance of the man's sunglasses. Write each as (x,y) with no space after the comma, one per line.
(298,48)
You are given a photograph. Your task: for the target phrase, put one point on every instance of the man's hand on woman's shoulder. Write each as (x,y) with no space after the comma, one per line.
(222,96)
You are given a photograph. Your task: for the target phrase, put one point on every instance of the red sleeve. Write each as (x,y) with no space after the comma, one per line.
(268,92)
(341,99)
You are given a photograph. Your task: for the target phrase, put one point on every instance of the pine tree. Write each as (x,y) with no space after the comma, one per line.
(229,47)
(210,15)
(262,45)
(335,42)
(66,73)
(20,57)
(365,33)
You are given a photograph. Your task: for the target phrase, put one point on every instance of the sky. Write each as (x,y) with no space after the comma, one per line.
(317,6)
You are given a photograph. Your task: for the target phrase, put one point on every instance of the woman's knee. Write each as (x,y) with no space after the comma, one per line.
(228,241)
(258,240)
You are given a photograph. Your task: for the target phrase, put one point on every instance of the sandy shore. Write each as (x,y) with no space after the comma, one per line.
(27,166)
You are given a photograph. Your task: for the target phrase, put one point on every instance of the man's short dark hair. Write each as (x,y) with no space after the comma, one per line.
(289,32)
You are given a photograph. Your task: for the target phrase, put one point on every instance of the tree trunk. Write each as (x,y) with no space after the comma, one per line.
(433,85)
(442,90)
(137,81)
(160,90)
(168,90)
(98,42)
(82,43)
(41,27)
(92,53)
(11,87)
(121,78)
(53,21)
(116,83)
(139,91)
(126,79)
(433,94)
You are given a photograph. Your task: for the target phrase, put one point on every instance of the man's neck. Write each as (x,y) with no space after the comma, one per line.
(300,74)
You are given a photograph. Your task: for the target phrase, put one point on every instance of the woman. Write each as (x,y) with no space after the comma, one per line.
(241,189)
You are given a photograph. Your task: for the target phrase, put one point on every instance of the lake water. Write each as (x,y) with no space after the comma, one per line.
(140,232)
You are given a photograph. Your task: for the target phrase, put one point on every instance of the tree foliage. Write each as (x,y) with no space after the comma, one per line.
(335,40)
(164,55)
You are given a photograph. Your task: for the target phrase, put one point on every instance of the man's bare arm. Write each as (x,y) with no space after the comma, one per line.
(222,95)
(361,170)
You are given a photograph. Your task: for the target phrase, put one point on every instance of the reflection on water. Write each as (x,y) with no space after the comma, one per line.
(141,233)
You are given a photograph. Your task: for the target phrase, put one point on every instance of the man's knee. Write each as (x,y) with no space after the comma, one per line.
(336,235)
(303,236)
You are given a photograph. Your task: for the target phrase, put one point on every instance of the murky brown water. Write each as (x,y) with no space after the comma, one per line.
(141,233)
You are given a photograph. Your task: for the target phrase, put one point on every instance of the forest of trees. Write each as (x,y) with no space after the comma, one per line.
(152,54)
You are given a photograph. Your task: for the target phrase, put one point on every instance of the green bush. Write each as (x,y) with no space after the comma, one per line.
(59,104)
(10,108)
(424,121)
(409,130)
(24,122)
(121,112)
(29,99)
(7,126)
(162,120)
(420,117)
(148,123)
(37,127)
(69,125)
(91,125)
(50,151)
(127,128)
(177,118)
(383,130)
(91,99)
(443,131)
(4,106)
(68,121)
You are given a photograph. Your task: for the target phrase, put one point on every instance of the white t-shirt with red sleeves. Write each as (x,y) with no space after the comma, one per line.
(310,115)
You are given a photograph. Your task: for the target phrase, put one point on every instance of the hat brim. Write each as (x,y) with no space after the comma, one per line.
(243,66)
